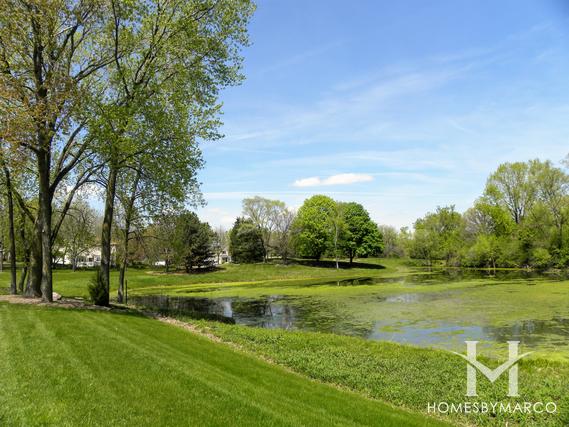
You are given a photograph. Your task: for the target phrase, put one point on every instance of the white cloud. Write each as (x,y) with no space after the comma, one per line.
(340,179)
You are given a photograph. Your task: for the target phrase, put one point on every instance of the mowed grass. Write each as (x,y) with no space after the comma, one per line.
(403,375)
(87,367)
(74,283)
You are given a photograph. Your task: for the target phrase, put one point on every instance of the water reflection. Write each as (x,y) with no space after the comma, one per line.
(443,319)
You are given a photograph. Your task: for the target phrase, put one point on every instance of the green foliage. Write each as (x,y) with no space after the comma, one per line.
(541,258)
(437,235)
(265,214)
(520,221)
(361,236)
(313,233)
(245,242)
(98,293)
(192,242)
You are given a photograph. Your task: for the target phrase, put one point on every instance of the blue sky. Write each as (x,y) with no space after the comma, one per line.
(401,106)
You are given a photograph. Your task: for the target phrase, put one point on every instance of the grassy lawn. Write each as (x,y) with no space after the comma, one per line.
(70,367)
(403,375)
(74,283)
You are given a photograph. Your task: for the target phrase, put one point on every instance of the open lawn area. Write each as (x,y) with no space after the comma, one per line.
(121,360)
(72,367)
(74,283)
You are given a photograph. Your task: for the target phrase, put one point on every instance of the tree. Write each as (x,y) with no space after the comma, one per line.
(552,190)
(170,60)
(361,235)
(438,235)
(392,245)
(313,234)
(512,186)
(284,220)
(264,214)
(162,236)
(245,242)
(11,233)
(220,242)
(77,233)
(51,53)
(192,242)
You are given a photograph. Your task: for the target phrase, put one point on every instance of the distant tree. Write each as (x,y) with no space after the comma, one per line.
(552,190)
(392,245)
(245,242)
(161,236)
(220,242)
(512,186)
(485,251)
(313,234)
(284,220)
(77,233)
(192,242)
(264,214)
(438,235)
(361,235)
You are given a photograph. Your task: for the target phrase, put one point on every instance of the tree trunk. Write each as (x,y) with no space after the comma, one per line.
(24,272)
(33,287)
(129,211)
(44,224)
(13,284)
(106,232)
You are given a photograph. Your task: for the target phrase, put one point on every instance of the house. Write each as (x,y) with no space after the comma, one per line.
(90,257)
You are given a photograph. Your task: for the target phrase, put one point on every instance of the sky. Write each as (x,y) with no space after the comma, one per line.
(401,106)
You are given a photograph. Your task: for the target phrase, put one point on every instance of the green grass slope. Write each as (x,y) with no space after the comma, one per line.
(70,367)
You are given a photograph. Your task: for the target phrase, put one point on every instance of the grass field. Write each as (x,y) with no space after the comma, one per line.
(74,283)
(111,356)
(69,367)
(406,376)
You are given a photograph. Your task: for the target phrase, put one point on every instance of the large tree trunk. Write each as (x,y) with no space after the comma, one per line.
(106,232)
(13,284)
(129,212)
(44,222)
(33,287)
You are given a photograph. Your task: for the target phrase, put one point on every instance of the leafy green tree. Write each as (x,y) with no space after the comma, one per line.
(264,214)
(361,236)
(284,220)
(485,252)
(170,60)
(312,227)
(438,235)
(192,242)
(513,187)
(552,189)
(53,52)
(77,233)
(245,242)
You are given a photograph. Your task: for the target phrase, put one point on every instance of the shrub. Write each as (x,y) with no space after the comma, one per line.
(97,290)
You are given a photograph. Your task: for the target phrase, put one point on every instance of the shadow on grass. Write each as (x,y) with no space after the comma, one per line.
(342,264)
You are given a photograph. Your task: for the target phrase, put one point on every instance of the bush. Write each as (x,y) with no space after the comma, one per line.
(541,258)
(97,290)
(245,242)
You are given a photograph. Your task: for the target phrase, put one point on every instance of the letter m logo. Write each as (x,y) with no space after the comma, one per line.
(492,375)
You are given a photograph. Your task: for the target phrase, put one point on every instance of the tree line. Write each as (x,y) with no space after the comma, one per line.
(321,227)
(110,98)
(519,221)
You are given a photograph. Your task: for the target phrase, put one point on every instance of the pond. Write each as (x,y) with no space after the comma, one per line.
(434,309)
